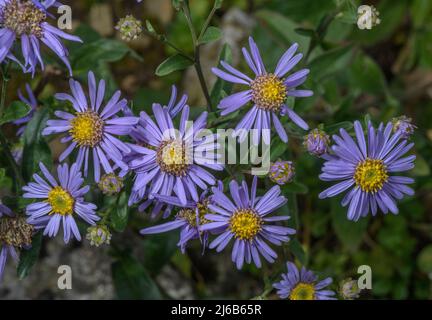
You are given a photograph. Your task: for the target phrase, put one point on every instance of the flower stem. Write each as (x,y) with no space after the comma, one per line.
(197,60)
(3,141)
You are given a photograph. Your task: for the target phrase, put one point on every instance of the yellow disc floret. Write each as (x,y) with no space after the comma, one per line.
(87,129)
(268,92)
(23,17)
(370,175)
(303,291)
(61,201)
(245,224)
(172,157)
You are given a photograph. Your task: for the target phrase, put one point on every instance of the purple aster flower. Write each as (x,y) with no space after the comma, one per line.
(15,234)
(32,102)
(282,172)
(317,142)
(267,92)
(189,219)
(92,129)
(170,162)
(365,167)
(60,202)
(247,221)
(404,125)
(303,285)
(26,21)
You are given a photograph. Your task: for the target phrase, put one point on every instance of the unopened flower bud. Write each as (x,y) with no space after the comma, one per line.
(98,235)
(110,184)
(317,142)
(282,172)
(349,289)
(129,27)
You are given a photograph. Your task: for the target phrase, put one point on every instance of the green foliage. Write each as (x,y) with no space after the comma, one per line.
(15,111)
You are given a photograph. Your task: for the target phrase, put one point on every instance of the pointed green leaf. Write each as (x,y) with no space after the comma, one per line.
(174,63)
(15,111)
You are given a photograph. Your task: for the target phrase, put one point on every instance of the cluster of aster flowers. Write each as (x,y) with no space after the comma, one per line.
(174,168)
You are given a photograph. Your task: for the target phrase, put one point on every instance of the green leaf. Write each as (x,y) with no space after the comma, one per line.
(296,248)
(149,27)
(15,111)
(174,63)
(35,147)
(103,50)
(334,128)
(29,257)
(424,260)
(295,187)
(284,28)
(211,34)
(421,168)
(350,233)
(366,75)
(131,280)
(221,86)
(120,214)
(330,62)
(158,250)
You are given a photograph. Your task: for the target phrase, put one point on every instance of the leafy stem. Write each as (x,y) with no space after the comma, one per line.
(19,181)
(196,44)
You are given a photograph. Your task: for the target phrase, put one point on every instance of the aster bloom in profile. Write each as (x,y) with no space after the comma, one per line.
(267,92)
(93,128)
(32,102)
(246,220)
(25,21)
(171,162)
(303,285)
(365,167)
(15,234)
(59,202)
(188,219)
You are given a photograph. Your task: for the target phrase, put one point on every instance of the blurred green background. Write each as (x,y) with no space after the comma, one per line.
(355,74)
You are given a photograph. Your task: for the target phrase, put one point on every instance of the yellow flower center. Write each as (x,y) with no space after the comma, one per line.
(61,201)
(190,215)
(245,224)
(268,92)
(173,158)
(23,17)
(87,129)
(303,291)
(370,175)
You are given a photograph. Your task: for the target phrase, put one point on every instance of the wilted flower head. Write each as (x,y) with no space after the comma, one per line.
(349,289)
(282,172)
(129,27)
(110,184)
(303,285)
(26,21)
(404,125)
(15,234)
(317,142)
(98,235)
